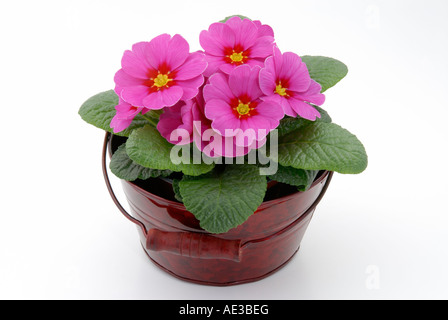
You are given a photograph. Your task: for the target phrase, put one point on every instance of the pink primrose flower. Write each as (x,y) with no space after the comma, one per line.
(211,142)
(186,122)
(124,116)
(177,120)
(285,80)
(234,43)
(263,29)
(235,109)
(160,73)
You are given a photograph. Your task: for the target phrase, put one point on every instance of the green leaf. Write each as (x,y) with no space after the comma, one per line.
(176,190)
(236,15)
(149,149)
(324,116)
(289,124)
(326,71)
(100,109)
(124,168)
(322,146)
(296,177)
(222,200)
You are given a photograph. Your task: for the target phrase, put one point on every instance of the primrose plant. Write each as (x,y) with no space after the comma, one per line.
(224,121)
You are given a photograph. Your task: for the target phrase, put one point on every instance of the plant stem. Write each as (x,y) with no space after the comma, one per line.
(151,120)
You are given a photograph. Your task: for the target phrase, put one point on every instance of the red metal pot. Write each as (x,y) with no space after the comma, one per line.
(174,241)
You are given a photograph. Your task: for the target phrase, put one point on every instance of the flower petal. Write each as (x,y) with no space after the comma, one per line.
(304,110)
(246,136)
(272,111)
(126,111)
(133,65)
(218,88)
(214,63)
(313,94)
(218,37)
(190,87)
(227,68)
(217,108)
(177,52)
(178,119)
(163,98)
(170,120)
(141,50)
(295,72)
(222,117)
(263,29)
(157,50)
(135,95)
(122,80)
(278,61)
(246,32)
(244,81)
(262,47)
(227,125)
(120,124)
(283,102)
(210,44)
(193,66)
(256,62)
(172,95)
(267,78)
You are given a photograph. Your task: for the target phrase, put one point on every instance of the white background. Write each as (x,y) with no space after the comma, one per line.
(379,235)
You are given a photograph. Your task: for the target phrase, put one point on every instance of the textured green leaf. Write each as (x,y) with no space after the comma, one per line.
(230,17)
(224,199)
(149,149)
(324,116)
(289,124)
(100,109)
(322,146)
(124,168)
(326,71)
(176,190)
(295,177)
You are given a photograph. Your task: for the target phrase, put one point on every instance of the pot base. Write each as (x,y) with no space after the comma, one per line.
(219,284)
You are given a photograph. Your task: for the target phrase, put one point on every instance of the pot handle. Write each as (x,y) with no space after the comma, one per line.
(111,190)
(194,245)
(188,244)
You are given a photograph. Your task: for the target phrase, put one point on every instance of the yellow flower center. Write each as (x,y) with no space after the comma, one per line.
(236,57)
(243,109)
(280,90)
(161,80)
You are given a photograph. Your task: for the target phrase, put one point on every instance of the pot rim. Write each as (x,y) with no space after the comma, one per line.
(180,205)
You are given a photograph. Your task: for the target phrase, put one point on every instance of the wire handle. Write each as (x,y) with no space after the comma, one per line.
(111,191)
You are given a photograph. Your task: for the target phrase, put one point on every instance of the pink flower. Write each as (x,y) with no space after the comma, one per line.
(124,116)
(263,29)
(234,106)
(285,80)
(159,73)
(236,42)
(213,144)
(187,121)
(176,121)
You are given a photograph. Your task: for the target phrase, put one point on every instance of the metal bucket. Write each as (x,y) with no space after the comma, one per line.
(174,241)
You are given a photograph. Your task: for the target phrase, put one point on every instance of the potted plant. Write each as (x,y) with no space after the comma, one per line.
(223,153)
